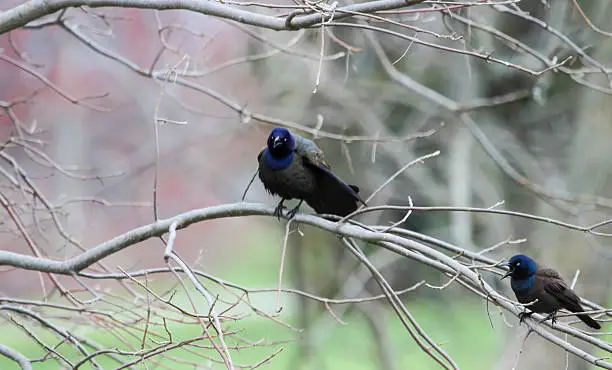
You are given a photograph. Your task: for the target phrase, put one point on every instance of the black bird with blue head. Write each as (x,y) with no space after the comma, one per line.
(293,167)
(546,287)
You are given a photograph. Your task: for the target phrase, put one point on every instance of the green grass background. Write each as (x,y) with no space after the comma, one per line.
(466,334)
(470,341)
(462,328)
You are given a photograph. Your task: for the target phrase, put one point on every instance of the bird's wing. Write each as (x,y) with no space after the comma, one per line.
(308,149)
(549,273)
(328,175)
(313,158)
(557,287)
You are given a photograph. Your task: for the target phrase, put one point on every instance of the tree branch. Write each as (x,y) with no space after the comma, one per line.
(20,359)
(34,9)
(395,243)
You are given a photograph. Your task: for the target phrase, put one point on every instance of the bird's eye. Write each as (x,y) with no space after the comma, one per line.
(518,263)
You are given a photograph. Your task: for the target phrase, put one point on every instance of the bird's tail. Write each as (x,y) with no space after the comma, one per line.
(576,308)
(589,321)
(355,189)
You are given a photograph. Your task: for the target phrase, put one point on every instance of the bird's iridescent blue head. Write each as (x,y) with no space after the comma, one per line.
(280,143)
(520,267)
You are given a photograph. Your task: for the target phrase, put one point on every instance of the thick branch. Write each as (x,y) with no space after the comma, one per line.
(20,359)
(34,9)
(397,244)
(87,258)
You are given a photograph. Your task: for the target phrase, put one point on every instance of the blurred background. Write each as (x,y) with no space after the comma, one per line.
(81,100)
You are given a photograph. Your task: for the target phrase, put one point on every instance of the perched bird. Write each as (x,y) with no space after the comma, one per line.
(530,282)
(293,167)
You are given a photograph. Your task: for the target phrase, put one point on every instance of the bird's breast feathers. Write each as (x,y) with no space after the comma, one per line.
(276,163)
(521,285)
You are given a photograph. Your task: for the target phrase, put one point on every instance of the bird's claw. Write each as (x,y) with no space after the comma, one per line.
(524,315)
(292,212)
(278,211)
(552,316)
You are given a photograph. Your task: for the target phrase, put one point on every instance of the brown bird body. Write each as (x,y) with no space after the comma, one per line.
(544,286)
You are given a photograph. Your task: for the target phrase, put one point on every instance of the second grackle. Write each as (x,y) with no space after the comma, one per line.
(291,166)
(531,282)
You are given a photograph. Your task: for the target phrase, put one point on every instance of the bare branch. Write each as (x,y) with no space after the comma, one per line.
(402,246)
(20,359)
(34,9)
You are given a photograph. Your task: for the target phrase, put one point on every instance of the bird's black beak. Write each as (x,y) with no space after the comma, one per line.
(509,271)
(277,141)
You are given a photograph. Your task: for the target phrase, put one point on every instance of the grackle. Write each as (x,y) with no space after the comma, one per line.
(530,282)
(291,166)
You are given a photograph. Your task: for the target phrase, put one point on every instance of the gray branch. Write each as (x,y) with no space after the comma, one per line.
(20,359)
(402,246)
(34,9)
